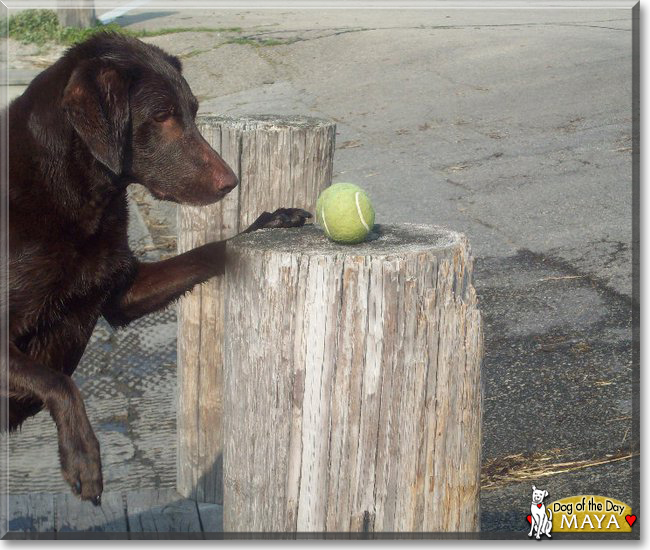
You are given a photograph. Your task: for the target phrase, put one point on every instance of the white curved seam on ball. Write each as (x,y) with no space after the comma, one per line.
(356,199)
(322,213)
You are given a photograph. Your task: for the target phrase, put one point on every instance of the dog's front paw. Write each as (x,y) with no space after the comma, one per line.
(282,217)
(81,465)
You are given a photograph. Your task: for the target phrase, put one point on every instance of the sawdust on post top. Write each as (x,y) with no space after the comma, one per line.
(384,240)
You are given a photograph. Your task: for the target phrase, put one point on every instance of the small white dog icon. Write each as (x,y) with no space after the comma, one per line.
(538,515)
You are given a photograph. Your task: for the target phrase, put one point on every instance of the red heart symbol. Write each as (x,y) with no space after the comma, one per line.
(539,505)
(529,518)
(630,519)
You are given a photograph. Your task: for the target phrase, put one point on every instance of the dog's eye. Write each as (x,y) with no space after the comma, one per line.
(162,116)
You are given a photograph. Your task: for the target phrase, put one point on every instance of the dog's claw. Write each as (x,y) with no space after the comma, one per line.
(81,463)
(282,217)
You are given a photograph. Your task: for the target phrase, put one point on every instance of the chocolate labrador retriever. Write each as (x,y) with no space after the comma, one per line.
(112,111)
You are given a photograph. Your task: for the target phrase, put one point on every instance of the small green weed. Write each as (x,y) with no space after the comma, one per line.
(246,40)
(42,26)
(192,53)
(33,26)
(173,30)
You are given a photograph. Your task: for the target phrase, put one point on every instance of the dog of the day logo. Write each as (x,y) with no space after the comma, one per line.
(578,514)
(539,520)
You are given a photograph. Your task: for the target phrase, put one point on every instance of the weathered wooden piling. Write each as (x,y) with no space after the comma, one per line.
(352,383)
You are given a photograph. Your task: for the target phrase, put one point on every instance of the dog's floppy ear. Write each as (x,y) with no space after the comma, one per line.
(534,489)
(545,493)
(96,102)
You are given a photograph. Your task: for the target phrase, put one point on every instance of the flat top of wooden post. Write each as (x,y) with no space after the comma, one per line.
(384,240)
(265,122)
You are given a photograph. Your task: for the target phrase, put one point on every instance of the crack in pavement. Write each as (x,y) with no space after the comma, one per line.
(338,31)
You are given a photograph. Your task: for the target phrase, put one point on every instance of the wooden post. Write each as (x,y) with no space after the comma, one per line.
(78,13)
(352,383)
(281,162)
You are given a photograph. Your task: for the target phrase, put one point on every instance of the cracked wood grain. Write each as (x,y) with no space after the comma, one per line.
(352,383)
(281,161)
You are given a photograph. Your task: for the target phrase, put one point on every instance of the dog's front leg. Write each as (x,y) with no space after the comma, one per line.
(532,525)
(78,447)
(540,525)
(155,285)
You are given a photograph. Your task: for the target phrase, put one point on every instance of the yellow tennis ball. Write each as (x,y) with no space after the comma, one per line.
(345,213)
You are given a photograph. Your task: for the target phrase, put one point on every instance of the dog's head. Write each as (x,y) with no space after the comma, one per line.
(538,495)
(133,109)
